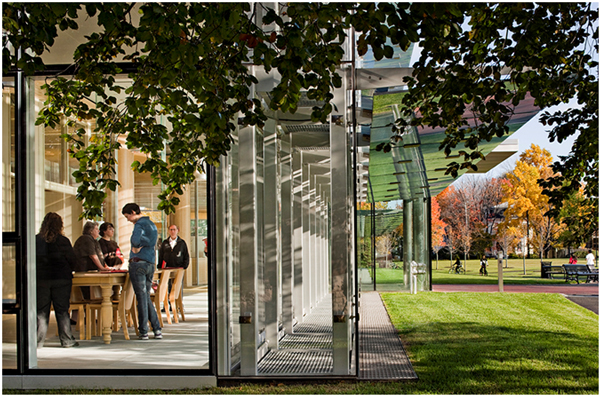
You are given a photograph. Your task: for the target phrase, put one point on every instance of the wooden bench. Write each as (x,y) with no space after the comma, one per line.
(574,271)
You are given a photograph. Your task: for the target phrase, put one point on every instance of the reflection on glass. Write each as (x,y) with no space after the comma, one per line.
(8,155)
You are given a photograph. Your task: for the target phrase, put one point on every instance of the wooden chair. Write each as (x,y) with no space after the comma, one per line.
(176,296)
(78,304)
(126,308)
(124,312)
(160,295)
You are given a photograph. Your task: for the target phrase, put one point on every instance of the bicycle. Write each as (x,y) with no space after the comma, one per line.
(457,270)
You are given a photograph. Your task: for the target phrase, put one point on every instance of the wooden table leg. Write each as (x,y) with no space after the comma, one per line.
(107,313)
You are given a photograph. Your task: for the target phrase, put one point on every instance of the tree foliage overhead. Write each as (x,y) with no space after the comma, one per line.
(191,65)
(549,51)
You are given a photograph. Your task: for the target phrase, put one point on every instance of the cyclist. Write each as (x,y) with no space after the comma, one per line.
(457,266)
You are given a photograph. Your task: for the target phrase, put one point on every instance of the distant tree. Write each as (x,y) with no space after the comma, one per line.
(526,203)
(574,212)
(459,210)
(384,246)
(438,229)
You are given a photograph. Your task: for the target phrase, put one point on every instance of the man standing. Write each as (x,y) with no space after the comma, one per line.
(173,251)
(141,267)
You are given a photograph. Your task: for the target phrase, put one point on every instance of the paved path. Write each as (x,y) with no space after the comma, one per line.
(382,356)
(586,289)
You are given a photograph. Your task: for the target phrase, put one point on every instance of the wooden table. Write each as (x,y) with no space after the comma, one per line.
(106,280)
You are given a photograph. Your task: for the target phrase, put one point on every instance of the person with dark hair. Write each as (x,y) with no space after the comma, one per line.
(55,262)
(110,250)
(572,259)
(590,259)
(141,267)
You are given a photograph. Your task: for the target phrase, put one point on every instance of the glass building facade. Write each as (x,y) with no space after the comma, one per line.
(292,220)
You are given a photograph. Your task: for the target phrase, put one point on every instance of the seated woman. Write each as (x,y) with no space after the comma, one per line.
(110,250)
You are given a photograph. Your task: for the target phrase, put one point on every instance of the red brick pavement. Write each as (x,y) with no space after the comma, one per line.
(588,289)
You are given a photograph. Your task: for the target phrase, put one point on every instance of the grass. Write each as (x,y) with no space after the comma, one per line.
(467,343)
(492,343)
(513,274)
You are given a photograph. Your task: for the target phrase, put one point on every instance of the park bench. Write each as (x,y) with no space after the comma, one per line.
(574,271)
(549,270)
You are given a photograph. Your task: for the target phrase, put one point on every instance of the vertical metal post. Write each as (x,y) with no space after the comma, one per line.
(271,240)
(297,226)
(220,228)
(408,239)
(373,241)
(340,234)
(287,251)
(306,247)
(249,246)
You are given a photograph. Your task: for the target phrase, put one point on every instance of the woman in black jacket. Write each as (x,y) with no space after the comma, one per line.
(54,268)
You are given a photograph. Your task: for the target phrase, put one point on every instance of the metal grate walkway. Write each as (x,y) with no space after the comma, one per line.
(382,356)
(308,351)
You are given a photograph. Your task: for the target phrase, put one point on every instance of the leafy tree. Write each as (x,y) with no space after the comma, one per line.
(438,227)
(458,209)
(189,63)
(527,203)
(549,52)
(573,213)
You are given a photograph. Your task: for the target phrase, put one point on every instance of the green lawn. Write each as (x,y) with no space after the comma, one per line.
(493,343)
(513,274)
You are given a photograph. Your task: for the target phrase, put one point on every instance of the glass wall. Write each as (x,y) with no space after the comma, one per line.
(279,314)
(186,344)
(8,155)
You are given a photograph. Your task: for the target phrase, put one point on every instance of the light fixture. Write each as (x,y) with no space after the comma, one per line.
(432,179)
(404,161)
(411,145)
(396,182)
(440,169)
(399,173)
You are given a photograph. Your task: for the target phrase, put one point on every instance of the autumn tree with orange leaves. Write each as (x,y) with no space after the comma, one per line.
(438,229)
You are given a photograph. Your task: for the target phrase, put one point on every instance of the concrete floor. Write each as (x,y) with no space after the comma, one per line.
(185,345)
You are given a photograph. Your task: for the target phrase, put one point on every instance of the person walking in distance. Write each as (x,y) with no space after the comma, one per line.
(141,267)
